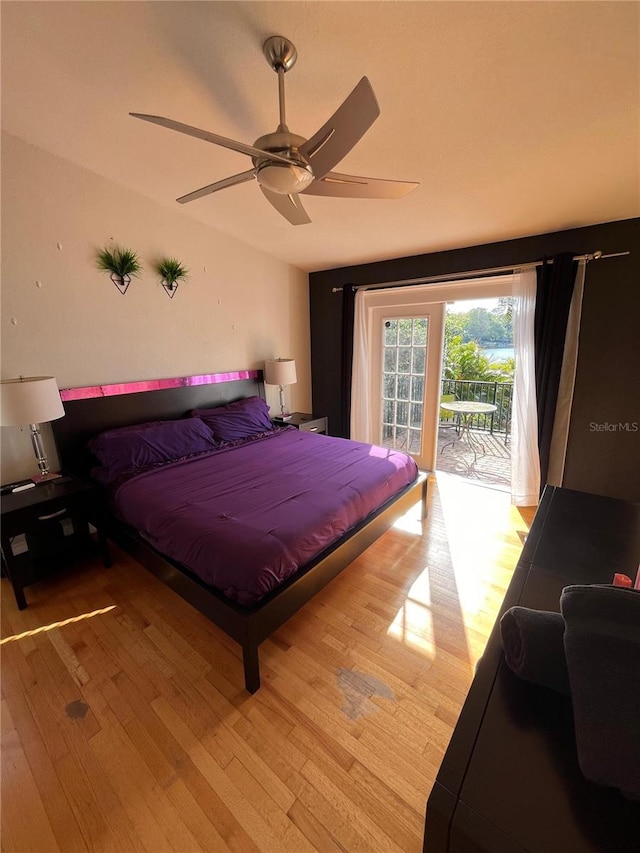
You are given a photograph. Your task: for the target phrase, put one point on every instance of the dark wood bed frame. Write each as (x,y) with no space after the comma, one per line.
(89,411)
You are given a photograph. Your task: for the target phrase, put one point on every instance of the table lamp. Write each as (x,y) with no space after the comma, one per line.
(280,371)
(31,400)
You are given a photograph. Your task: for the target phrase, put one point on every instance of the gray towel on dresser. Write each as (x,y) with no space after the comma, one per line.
(533,647)
(602,646)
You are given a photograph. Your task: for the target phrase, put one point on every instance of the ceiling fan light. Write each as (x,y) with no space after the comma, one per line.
(284,178)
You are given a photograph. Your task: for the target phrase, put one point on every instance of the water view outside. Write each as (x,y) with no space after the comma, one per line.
(478,340)
(498,353)
(478,367)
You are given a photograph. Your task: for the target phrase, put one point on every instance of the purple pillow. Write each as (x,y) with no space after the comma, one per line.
(132,428)
(143,445)
(237,420)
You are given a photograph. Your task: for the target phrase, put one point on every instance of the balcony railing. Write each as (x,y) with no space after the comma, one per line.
(498,393)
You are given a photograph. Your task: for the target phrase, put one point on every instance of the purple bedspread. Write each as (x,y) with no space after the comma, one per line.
(246,518)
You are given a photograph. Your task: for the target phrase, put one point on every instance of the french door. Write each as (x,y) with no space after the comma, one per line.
(406,367)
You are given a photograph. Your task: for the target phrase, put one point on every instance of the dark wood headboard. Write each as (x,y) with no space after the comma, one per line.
(91,410)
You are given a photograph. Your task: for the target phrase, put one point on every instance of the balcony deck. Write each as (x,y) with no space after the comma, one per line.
(492,432)
(491,468)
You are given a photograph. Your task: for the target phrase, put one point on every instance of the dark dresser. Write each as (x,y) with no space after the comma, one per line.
(510,779)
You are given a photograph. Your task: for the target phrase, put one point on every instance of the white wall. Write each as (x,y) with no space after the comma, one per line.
(239,306)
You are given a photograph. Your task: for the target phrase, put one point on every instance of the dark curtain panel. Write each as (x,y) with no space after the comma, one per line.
(553,300)
(348,312)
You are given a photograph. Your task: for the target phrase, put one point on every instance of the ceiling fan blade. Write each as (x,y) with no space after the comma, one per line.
(207,136)
(219,185)
(288,206)
(337,137)
(354,186)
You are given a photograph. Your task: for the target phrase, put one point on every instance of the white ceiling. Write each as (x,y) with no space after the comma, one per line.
(516,117)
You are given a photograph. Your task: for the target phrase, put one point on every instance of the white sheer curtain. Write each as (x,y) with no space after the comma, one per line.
(560,437)
(525,461)
(361,380)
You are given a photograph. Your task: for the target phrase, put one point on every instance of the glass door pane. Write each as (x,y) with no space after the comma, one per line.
(404,359)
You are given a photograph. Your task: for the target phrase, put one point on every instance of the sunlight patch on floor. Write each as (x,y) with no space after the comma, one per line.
(482,529)
(411,521)
(482,538)
(14,637)
(413,625)
(420,589)
(477,522)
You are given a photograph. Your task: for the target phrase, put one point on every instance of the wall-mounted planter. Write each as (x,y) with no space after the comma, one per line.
(172,272)
(121,264)
(122,282)
(170,288)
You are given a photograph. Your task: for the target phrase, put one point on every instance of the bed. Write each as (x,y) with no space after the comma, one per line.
(183,517)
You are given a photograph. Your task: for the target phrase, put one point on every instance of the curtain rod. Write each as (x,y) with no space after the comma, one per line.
(407,282)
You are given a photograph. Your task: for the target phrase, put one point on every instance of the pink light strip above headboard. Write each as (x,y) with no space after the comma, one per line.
(91,391)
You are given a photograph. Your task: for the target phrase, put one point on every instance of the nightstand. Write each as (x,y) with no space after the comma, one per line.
(29,512)
(303,421)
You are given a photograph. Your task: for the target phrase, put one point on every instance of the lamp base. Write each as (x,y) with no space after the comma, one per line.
(285,415)
(43,478)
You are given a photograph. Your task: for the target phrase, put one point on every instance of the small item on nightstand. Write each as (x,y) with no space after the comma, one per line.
(23,488)
(8,488)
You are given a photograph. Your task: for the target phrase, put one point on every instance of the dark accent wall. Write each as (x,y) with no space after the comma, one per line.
(602,457)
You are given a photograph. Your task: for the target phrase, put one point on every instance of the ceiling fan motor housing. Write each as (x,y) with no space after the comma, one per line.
(277,176)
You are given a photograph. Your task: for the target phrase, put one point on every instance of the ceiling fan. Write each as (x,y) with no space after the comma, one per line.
(285,164)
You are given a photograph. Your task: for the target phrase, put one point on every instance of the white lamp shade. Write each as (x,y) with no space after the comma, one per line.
(280,371)
(30,400)
(284,178)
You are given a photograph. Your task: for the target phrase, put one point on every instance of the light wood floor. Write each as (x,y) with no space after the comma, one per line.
(125,726)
